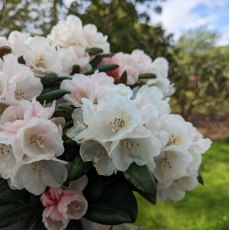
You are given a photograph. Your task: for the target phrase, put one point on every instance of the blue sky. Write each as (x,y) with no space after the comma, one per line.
(179,16)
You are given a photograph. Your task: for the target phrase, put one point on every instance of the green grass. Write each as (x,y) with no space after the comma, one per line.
(205,208)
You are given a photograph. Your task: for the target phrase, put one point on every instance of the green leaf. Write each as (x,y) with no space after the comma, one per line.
(102,68)
(51,79)
(124,78)
(34,220)
(75,225)
(147,76)
(7,195)
(66,108)
(98,59)
(115,205)
(200,178)
(78,168)
(4,50)
(17,213)
(51,95)
(21,60)
(104,213)
(75,69)
(142,180)
(94,51)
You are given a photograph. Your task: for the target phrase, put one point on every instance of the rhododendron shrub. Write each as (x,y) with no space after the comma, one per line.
(81,129)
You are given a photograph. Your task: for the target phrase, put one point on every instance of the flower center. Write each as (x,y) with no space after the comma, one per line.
(165,162)
(5,151)
(128,144)
(172,140)
(73,208)
(118,123)
(37,141)
(37,168)
(40,61)
(19,95)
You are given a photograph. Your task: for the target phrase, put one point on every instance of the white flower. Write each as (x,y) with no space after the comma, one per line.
(71,56)
(93,87)
(17,81)
(67,33)
(98,154)
(176,191)
(164,85)
(112,120)
(38,173)
(41,57)
(71,33)
(172,164)
(38,137)
(180,132)
(160,67)
(138,150)
(95,38)
(8,163)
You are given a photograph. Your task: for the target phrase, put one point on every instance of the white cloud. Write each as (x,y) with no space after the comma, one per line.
(179,16)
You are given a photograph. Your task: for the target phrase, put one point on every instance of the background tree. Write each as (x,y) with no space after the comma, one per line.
(201,73)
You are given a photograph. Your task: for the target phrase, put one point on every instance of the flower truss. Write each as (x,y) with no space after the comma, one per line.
(81,129)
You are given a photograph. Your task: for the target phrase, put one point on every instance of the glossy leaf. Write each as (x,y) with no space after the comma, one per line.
(78,168)
(98,59)
(142,180)
(147,76)
(94,50)
(17,213)
(51,95)
(75,69)
(8,195)
(116,204)
(75,225)
(102,68)
(200,178)
(124,78)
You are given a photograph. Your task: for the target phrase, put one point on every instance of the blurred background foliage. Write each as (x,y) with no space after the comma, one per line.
(198,69)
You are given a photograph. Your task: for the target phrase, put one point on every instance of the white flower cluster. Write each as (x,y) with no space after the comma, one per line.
(30,142)
(114,124)
(115,128)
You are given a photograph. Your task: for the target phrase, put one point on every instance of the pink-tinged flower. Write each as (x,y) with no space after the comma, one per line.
(134,64)
(64,204)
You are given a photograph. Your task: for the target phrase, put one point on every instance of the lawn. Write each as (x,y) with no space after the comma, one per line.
(205,208)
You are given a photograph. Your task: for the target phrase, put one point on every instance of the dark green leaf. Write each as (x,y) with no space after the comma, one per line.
(75,225)
(94,51)
(8,195)
(78,168)
(52,95)
(75,69)
(104,213)
(98,59)
(17,213)
(51,79)
(34,220)
(200,178)
(105,68)
(102,68)
(142,180)
(21,60)
(95,185)
(147,76)
(123,78)
(4,50)
(115,205)
(66,108)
